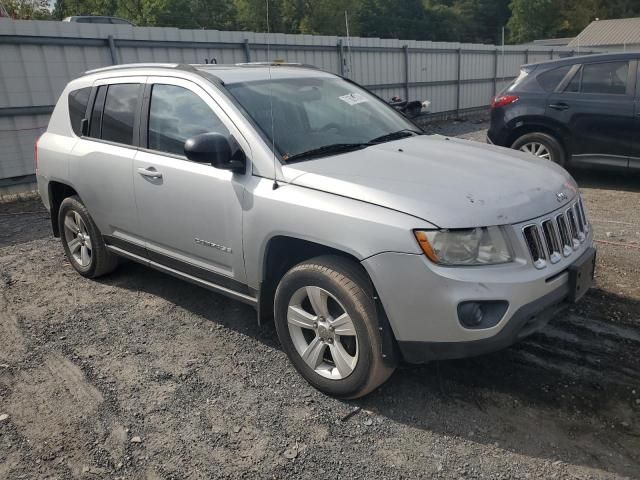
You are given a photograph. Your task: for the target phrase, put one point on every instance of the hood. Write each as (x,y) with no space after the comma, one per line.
(448,182)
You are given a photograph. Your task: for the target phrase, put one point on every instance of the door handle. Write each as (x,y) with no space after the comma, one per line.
(149,172)
(559,106)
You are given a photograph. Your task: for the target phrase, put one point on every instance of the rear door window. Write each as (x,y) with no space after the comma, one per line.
(550,79)
(574,85)
(120,109)
(607,78)
(78,100)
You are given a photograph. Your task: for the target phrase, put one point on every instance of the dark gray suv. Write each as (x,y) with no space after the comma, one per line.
(579,111)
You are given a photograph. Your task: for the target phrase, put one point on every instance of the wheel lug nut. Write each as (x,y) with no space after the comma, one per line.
(330,340)
(331,328)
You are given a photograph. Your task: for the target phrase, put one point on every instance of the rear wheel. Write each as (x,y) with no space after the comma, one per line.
(82,241)
(326,321)
(541,145)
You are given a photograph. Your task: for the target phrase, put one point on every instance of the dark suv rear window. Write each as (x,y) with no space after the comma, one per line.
(78,100)
(550,79)
(605,78)
(608,78)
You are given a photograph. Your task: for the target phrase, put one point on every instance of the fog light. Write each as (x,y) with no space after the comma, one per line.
(482,313)
(470,314)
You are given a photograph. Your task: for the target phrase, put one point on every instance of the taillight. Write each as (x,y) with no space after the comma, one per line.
(502,100)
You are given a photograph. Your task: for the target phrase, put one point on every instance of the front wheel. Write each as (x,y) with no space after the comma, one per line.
(326,321)
(541,145)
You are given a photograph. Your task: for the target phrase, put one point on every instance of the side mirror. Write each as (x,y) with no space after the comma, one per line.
(219,150)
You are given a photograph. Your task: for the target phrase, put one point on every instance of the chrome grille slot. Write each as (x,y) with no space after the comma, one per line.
(565,237)
(553,242)
(573,228)
(535,245)
(583,215)
(579,220)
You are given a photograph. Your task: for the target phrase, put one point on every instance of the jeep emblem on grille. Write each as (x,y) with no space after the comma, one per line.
(561,196)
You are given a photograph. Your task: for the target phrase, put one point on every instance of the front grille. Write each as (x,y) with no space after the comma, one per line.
(549,239)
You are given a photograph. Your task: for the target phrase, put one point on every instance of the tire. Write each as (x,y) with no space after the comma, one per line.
(90,256)
(530,142)
(360,368)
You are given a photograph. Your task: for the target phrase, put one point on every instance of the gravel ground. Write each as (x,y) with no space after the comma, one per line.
(140,375)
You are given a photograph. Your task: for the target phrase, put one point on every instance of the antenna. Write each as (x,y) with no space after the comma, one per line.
(273,137)
(346,22)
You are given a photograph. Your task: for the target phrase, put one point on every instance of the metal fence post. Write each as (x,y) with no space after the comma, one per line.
(551,54)
(495,72)
(247,50)
(526,56)
(341,57)
(458,83)
(405,50)
(112,49)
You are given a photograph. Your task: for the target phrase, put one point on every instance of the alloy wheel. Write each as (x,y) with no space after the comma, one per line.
(322,332)
(537,149)
(77,237)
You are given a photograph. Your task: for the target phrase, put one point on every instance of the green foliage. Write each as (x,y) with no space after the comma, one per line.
(28,9)
(533,19)
(445,20)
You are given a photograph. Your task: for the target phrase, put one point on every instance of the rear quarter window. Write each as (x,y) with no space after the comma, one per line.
(524,82)
(78,100)
(550,79)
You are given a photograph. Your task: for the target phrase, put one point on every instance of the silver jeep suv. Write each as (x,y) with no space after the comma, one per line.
(298,192)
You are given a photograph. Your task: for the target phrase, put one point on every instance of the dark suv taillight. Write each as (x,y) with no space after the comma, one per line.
(502,100)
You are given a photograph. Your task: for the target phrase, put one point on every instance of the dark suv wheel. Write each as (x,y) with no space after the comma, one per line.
(541,145)
(326,321)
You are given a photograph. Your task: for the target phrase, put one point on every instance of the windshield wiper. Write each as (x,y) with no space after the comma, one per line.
(326,150)
(407,132)
(348,147)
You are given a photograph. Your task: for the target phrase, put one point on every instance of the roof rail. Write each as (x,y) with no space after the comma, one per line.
(276,64)
(139,65)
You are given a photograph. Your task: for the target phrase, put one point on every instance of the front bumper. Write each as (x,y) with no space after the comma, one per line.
(421,301)
(527,320)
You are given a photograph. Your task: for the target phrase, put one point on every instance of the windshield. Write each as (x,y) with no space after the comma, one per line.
(312,113)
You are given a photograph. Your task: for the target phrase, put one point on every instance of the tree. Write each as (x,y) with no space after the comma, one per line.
(67,8)
(28,9)
(483,19)
(252,15)
(409,19)
(531,19)
(576,15)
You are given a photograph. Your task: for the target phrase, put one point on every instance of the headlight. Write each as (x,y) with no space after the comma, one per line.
(474,246)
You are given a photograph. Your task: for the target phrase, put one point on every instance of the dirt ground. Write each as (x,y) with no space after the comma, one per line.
(140,375)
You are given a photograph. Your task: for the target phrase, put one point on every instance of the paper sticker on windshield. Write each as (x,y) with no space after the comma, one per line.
(353,98)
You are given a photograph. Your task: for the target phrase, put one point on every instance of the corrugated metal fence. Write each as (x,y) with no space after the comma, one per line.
(38,58)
